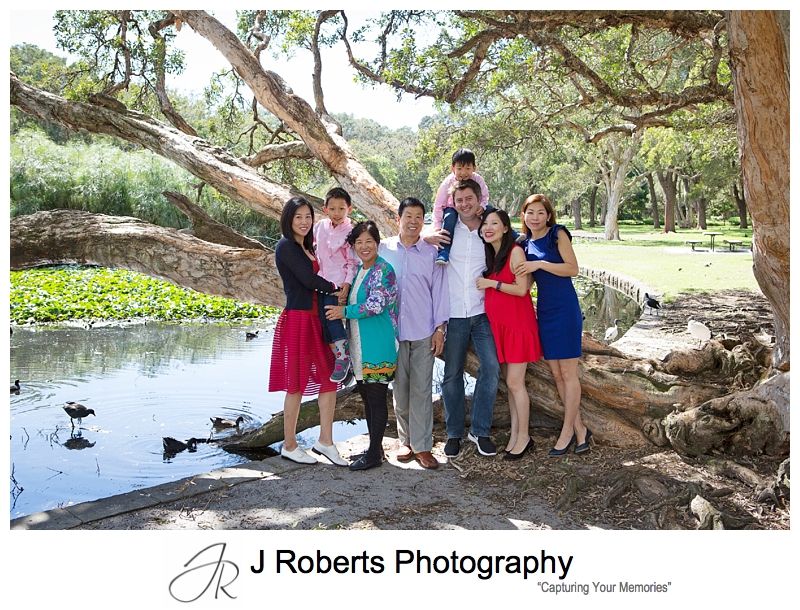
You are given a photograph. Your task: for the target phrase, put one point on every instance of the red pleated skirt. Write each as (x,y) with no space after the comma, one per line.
(301,361)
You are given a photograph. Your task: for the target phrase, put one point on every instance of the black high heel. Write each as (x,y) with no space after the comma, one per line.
(559,452)
(584,446)
(515,456)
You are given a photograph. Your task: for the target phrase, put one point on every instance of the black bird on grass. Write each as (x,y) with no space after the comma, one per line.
(15,387)
(651,303)
(75,410)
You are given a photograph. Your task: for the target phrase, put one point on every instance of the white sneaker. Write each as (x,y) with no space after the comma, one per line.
(330,452)
(297,455)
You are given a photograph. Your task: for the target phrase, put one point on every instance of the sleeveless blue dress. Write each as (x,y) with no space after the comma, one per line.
(559,313)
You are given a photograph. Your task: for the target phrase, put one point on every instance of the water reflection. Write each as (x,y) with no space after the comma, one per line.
(601,305)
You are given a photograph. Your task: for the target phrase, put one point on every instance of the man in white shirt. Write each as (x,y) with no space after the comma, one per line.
(468,322)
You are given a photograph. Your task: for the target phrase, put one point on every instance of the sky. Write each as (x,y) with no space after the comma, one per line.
(341,93)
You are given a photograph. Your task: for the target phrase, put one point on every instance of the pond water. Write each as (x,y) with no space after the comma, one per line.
(149,381)
(145,382)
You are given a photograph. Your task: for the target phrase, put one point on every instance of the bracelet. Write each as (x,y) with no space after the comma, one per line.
(497,287)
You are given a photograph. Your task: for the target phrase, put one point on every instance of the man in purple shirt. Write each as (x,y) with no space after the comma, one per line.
(424,304)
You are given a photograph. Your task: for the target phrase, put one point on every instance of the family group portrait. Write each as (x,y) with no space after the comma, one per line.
(399,270)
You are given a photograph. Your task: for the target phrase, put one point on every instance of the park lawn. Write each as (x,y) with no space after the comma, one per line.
(668,265)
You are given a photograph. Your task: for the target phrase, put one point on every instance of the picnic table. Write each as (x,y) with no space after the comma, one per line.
(733,243)
(693,243)
(712,235)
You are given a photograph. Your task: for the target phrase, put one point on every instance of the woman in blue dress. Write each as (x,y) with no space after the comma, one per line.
(551,259)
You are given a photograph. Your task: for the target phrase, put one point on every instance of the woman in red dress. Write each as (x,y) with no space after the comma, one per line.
(513,320)
(302,363)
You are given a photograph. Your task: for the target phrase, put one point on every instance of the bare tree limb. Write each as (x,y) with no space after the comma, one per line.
(160,88)
(209,163)
(274,152)
(320,137)
(71,236)
(319,98)
(206,228)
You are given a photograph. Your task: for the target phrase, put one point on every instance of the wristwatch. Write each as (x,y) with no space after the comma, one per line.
(497,287)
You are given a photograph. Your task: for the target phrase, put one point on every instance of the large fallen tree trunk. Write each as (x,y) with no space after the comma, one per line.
(69,236)
(625,399)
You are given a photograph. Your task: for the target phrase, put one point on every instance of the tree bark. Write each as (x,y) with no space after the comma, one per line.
(741,205)
(593,206)
(759,51)
(745,423)
(653,200)
(320,136)
(702,205)
(70,236)
(669,185)
(617,158)
(206,228)
(576,213)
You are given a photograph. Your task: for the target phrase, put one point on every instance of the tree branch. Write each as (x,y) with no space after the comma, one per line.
(160,88)
(124,17)
(322,140)
(374,76)
(319,98)
(206,228)
(209,163)
(70,236)
(274,152)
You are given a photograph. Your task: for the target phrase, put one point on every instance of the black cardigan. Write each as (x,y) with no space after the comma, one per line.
(297,273)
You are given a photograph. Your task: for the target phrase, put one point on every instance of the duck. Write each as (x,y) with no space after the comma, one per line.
(699,331)
(75,410)
(221,422)
(173,445)
(15,387)
(251,335)
(651,303)
(612,332)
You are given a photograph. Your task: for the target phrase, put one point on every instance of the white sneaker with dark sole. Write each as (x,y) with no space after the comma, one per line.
(484,444)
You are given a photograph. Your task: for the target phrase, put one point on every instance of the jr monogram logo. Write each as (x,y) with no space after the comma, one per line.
(204,569)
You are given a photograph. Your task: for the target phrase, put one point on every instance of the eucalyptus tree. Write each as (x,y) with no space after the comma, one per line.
(615,88)
(695,164)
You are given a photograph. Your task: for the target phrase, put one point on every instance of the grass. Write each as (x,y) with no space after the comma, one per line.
(668,265)
(665,262)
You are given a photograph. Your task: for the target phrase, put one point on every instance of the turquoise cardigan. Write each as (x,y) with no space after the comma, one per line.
(376,311)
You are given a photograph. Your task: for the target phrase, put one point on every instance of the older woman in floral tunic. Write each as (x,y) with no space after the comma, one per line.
(372,315)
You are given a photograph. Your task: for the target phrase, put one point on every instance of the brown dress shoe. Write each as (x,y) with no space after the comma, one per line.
(405,454)
(426,460)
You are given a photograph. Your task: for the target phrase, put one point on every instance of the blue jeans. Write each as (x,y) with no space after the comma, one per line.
(449,218)
(332,330)
(459,333)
